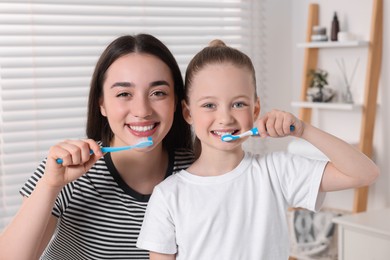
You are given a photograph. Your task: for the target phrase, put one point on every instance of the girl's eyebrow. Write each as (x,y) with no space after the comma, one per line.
(235,97)
(130,84)
(205,98)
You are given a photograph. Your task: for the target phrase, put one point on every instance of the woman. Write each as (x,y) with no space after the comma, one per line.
(92,205)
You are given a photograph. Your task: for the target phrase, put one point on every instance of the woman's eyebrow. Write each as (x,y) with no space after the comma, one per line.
(159,83)
(122,84)
(130,84)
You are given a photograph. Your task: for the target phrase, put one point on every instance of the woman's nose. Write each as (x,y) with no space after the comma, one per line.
(141,107)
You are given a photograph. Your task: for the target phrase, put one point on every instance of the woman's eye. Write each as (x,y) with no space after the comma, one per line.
(159,93)
(124,94)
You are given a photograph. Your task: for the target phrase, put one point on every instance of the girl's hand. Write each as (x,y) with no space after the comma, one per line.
(277,124)
(76,158)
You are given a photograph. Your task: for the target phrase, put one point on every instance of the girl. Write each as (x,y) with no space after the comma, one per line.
(230,204)
(95,204)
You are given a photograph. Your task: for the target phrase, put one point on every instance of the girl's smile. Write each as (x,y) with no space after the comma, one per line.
(220,133)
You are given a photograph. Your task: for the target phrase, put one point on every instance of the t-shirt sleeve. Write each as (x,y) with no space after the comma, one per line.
(61,200)
(300,179)
(158,230)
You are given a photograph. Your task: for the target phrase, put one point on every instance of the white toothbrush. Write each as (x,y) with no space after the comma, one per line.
(144,142)
(229,137)
(253,131)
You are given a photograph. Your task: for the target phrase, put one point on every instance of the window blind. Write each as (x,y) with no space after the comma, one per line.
(48,49)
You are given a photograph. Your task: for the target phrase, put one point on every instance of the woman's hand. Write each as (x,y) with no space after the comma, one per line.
(277,123)
(76,160)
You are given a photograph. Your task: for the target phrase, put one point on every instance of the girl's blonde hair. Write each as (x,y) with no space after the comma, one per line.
(217,52)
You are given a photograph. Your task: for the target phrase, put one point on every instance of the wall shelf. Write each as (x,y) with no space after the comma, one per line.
(330,106)
(329,44)
(369,102)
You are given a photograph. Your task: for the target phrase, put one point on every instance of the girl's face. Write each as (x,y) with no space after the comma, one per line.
(221,101)
(138,99)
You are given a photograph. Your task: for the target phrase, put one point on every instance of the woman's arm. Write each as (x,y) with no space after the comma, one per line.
(348,167)
(31,229)
(23,237)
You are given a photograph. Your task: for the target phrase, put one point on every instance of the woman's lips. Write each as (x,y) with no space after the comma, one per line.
(143,130)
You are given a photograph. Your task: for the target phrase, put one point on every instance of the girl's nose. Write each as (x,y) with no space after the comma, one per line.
(225,116)
(141,107)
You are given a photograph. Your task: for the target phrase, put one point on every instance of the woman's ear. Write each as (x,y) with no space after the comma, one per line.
(102,107)
(186,112)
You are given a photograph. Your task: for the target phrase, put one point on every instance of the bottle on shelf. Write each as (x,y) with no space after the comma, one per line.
(335,28)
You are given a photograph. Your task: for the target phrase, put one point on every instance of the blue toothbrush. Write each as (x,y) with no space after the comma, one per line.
(145,142)
(253,131)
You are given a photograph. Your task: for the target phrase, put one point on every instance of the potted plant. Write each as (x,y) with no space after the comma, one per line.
(318,82)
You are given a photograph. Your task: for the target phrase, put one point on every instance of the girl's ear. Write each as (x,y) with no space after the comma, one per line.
(256,111)
(186,112)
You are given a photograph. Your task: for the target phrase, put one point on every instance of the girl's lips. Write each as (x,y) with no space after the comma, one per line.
(224,132)
(143,129)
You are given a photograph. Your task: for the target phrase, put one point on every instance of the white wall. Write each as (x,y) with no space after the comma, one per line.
(286,26)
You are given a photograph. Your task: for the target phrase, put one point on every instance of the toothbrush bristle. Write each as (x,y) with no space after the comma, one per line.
(145,142)
(226,138)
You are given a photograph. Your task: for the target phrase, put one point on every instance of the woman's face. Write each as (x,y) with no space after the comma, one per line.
(138,99)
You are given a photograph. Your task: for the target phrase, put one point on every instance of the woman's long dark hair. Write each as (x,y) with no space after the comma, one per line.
(98,128)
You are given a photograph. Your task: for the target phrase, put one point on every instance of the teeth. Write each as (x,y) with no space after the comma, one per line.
(222,133)
(142,128)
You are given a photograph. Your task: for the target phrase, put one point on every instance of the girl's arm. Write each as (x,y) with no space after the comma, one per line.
(32,227)
(158,256)
(348,167)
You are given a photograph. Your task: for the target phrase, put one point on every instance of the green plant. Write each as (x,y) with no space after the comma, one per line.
(318,78)
(318,81)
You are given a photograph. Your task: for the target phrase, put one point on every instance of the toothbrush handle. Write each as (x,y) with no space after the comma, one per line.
(60,161)
(104,150)
(255,131)
(108,149)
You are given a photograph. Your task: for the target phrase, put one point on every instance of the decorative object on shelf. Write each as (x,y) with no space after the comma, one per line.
(345,37)
(347,96)
(335,28)
(319,34)
(318,92)
(313,235)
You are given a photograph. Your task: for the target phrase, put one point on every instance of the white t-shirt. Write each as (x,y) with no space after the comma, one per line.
(238,215)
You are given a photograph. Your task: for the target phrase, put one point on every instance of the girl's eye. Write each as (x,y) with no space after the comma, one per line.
(208,105)
(239,105)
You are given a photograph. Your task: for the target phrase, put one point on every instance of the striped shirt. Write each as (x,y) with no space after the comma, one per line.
(100,216)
